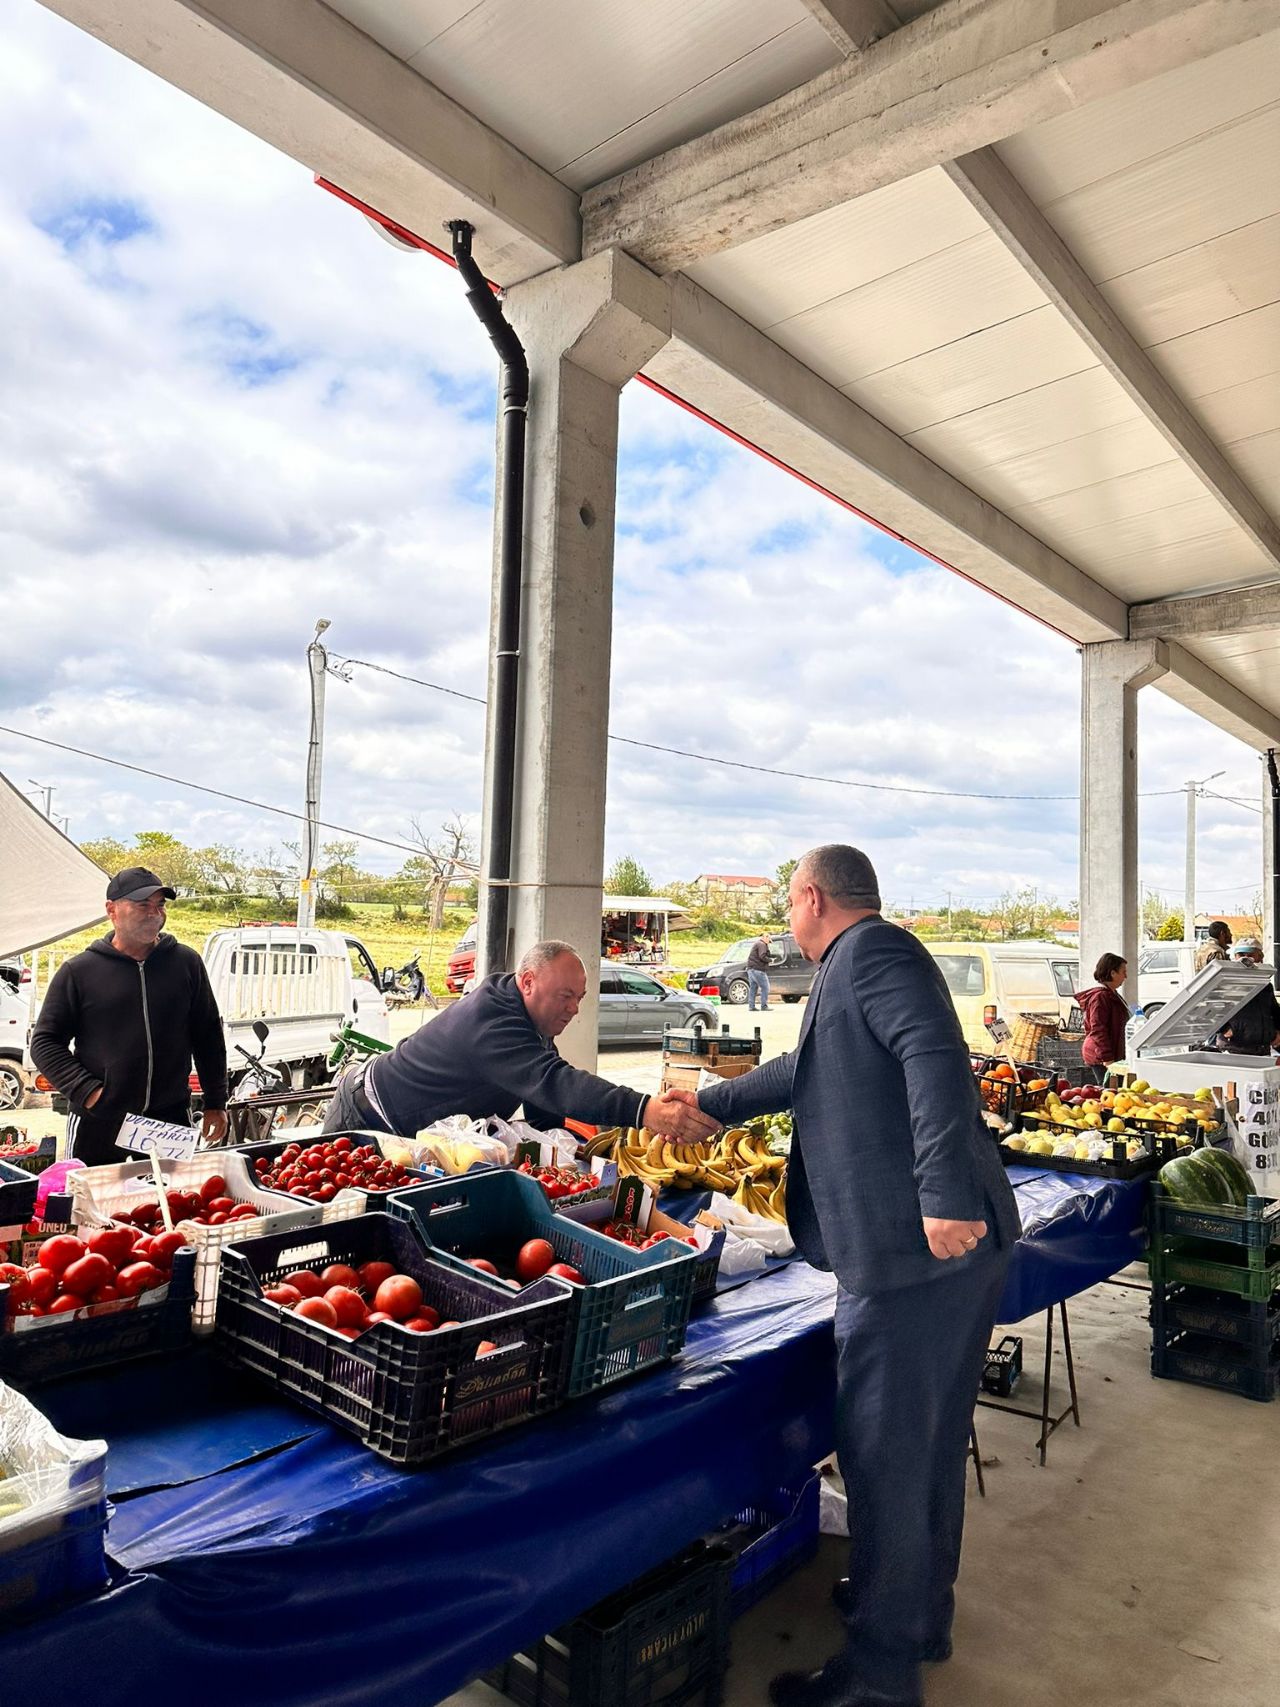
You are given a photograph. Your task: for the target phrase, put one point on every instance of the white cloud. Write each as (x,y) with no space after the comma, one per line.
(227,410)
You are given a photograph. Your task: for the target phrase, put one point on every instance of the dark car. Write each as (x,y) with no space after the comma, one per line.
(790,974)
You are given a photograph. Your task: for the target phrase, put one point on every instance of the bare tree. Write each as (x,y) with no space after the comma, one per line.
(444,855)
(277,876)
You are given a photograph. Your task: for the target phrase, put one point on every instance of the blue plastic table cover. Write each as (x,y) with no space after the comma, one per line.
(316,1575)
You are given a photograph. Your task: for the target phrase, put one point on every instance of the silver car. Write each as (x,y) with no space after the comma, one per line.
(635,1008)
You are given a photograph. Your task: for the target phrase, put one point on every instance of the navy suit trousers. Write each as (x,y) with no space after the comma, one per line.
(909,1367)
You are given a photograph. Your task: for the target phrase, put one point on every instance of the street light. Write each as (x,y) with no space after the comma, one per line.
(1189,886)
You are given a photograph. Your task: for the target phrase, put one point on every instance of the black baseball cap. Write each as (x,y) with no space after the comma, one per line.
(136,883)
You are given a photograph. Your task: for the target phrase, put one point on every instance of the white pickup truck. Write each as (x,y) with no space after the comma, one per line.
(303,984)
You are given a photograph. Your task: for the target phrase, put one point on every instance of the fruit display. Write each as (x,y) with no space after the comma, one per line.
(1086,1123)
(111,1267)
(627,1233)
(535,1258)
(353,1300)
(740,1161)
(209,1205)
(1208,1176)
(317,1172)
(560,1182)
(1007,1089)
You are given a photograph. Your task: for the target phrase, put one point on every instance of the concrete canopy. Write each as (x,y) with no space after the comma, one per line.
(1001,273)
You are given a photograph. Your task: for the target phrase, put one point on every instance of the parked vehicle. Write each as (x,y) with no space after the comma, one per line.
(1163,968)
(303,984)
(635,1008)
(462,962)
(1000,980)
(406,983)
(634,929)
(14,1022)
(790,974)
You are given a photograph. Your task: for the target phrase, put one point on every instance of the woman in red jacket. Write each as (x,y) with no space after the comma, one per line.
(1105,1013)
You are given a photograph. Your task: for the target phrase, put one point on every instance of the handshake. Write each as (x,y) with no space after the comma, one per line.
(675,1114)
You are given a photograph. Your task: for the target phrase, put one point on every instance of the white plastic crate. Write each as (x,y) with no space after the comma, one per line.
(100,1194)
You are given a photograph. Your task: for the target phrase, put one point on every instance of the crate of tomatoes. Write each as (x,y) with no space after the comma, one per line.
(361,1322)
(318,1171)
(212,1198)
(630,1308)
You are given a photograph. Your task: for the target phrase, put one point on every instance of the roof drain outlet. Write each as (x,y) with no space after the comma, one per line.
(493,939)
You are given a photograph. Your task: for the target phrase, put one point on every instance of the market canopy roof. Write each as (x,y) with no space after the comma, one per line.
(1004,275)
(48,888)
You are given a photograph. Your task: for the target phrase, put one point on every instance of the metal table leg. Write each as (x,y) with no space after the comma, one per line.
(1048,1422)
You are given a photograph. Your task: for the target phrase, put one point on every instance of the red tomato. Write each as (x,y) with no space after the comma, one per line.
(87,1274)
(426,1313)
(372,1275)
(485,1347)
(286,1295)
(141,1250)
(341,1146)
(221,1205)
(306,1280)
(348,1306)
(214,1186)
(441,1326)
(566,1271)
(243,1212)
(138,1277)
(317,1310)
(535,1258)
(17,1281)
(42,1284)
(164,1247)
(65,1302)
(351,1333)
(105,1294)
(56,1253)
(399,1296)
(485,1266)
(420,1325)
(114,1243)
(376,1316)
(218,1220)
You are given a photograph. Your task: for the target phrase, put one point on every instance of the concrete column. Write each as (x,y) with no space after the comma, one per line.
(1268,865)
(586,330)
(1113,672)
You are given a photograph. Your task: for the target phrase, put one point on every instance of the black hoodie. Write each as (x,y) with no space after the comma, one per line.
(137,1025)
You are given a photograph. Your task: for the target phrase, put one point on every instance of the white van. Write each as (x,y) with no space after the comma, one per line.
(1163,968)
(15,1023)
(304,984)
(1000,980)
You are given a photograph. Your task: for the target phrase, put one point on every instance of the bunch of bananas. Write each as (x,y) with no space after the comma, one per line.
(738,1162)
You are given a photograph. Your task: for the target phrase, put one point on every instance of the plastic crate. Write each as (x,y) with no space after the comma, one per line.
(371,1200)
(79,1344)
(1210,1363)
(1253,1274)
(44,1157)
(632,1312)
(661,1642)
(1177,1310)
(17,1195)
(770,1540)
(408,1396)
(1064,1057)
(100,1194)
(1255,1226)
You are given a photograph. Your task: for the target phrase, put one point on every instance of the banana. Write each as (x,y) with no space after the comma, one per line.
(653,1154)
(671,1158)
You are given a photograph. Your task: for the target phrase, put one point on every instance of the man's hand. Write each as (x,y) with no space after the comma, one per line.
(93,1096)
(675,1114)
(213,1126)
(953,1238)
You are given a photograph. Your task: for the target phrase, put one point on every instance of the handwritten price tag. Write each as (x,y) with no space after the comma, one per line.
(145,1136)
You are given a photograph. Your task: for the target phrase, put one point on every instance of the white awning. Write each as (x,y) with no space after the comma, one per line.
(48,888)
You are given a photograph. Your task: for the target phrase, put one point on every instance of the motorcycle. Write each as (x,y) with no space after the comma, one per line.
(406,984)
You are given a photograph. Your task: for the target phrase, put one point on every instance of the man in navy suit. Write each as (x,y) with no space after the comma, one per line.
(895,1184)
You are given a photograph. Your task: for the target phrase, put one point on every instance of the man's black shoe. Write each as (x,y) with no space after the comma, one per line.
(822,1689)
(935,1654)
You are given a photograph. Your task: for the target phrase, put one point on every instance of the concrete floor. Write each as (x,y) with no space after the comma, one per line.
(1139,1568)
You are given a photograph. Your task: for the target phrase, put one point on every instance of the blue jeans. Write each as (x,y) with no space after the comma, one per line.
(909,1367)
(757,985)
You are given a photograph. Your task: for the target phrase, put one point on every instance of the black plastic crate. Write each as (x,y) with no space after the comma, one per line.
(700,1040)
(1177,1310)
(661,1642)
(74,1346)
(1210,1363)
(1002,1369)
(408,1396)
(633,1311)
(1119,1165)
(18,1190)
(44,1156)
(770,1540)
(1064,1057)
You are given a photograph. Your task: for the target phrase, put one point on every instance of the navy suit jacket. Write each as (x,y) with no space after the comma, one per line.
(888,1125)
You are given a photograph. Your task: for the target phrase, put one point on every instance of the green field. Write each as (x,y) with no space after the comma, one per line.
(389,940)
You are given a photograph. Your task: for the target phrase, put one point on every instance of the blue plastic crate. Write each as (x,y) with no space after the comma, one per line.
(1255,1226)
(75,1346)
(772,1539)
(633,1311)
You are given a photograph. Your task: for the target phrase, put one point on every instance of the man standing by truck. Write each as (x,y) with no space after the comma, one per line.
(138,1008)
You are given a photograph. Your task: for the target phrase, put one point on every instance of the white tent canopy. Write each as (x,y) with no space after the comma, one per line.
(48,888)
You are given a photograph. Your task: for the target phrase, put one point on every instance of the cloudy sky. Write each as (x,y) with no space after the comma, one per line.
(227,409)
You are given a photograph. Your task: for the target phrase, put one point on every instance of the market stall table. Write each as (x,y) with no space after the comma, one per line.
(267,1558)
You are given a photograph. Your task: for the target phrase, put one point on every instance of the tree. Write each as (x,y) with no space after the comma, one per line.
(172,861)
(628,877)
(1025,914)
(275,876)
(443,857)
(107,853)
(786,871)
(1171,929)
(220,869)
(1258,922)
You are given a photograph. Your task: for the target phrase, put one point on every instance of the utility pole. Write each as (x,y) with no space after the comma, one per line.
(1189,884)
(47,791)
(317,666)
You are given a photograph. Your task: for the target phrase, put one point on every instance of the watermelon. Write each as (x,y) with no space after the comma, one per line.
(1206,1176)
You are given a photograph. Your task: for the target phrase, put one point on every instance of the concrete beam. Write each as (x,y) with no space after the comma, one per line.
(854,24)
(1201,689)
(989,186)
(961,77)
(305,80)
(742,379)
(1243,610)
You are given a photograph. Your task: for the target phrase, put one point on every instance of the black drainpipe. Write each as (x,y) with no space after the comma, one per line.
(1275,862)
(499,807)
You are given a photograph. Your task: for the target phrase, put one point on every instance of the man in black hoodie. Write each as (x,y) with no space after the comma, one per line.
(139,1008)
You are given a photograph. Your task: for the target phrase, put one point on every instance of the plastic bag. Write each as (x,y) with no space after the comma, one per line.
(771,1236)
(43,1475)
(457,1143)
(740,1256)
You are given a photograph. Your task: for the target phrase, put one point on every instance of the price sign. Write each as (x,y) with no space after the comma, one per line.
(145,1136)
(999,1030)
